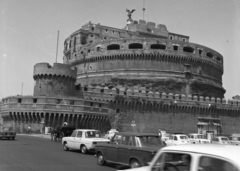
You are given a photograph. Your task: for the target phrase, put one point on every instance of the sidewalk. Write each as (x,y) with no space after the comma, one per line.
(36,135)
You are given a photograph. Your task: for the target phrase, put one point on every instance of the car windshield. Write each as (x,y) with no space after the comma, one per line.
(150,140)
(92,134)
(201,137)
(183,137)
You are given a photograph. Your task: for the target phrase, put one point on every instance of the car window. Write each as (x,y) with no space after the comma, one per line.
(79,134)
(215,139)
(74,134)
(183,137)
(173,162)
(125,140)
(92,134)
(201,137)
(175,138)
(224,139)
(117,139)
(150,140)
(212,164)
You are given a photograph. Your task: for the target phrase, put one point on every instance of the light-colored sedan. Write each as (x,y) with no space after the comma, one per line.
(195,157)
(177,139)
(220,140)
(84,140)
(198,138)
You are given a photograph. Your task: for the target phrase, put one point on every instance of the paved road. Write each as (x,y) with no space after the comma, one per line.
(36,153)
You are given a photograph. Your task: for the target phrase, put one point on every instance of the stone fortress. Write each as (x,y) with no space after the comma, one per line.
(139,78)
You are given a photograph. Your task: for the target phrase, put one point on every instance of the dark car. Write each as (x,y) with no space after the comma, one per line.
(129,148)
(59,133)
(7,133)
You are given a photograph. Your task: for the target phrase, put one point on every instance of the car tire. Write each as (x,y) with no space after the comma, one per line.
(83,149)
(65,147)
(134,163)
(100,159)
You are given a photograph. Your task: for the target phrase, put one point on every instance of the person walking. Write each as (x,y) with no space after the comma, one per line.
(29,129)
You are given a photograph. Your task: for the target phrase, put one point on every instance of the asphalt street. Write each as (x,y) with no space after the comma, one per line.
(32,153)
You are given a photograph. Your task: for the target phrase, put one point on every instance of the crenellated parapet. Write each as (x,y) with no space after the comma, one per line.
(56,80)
(113,94)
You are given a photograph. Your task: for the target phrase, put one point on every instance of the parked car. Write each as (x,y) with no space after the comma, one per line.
(220,140)
(84,140)
(110,133)
(198,138)
(177,139)
(198,157)
(7,133)
(234,140)
(133,149)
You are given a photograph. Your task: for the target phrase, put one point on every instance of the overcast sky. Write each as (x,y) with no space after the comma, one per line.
(28,32)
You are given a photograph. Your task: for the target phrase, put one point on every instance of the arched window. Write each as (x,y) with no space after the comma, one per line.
(70,44)
(113,47)
(135,46)
(188,49)
(158,46)
(209,54)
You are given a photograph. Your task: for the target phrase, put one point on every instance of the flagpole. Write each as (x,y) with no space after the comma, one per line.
(57,46)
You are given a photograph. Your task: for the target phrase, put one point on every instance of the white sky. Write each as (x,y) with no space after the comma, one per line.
(28,31)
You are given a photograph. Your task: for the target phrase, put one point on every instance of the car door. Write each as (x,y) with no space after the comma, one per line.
(112,150)
(78,140)
(71,140)
(172,161)
(125,149)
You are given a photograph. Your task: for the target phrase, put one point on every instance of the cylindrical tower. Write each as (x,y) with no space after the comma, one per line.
(144,57)
(58,80)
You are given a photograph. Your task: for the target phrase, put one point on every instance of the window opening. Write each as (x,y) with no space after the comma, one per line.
(113,47)
(85,89)
(19,100)
(188,49)
(77,87)
(200,51)
(135,46)
(210,55)
(83,39)
(117,110)
(71,102)
(34,100)
(175,47)
(91,103)
(99,105)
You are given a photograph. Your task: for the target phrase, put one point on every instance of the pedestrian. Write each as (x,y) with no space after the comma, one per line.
(29,129)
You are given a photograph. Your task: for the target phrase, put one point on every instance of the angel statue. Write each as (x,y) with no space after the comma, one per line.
(130,14)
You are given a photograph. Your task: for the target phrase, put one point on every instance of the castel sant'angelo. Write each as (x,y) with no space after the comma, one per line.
(139,78)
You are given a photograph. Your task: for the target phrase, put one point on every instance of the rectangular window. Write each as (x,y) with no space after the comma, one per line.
(34,100)
(91,103)
(19,100)
(175,47)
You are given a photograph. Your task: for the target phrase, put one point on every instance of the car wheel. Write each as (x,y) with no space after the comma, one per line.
(134,163)
(83,149)
(65,147)
(100,159)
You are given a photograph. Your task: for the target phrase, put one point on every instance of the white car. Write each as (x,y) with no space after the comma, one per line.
(220,140)
(197,157)
(83,139)
(110,133)
(177,139)
(198,138)
(234,140)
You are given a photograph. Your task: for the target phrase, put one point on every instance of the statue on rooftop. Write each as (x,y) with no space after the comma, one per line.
(130,14)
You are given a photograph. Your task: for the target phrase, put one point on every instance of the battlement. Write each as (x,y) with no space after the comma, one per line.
(148,27)
(99,93)
(57,69)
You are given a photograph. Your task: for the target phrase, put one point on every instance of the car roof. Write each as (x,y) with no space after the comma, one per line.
(137,133)
(86,130)
(225,151)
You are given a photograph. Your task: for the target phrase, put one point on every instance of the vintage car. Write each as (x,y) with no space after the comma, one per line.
(234,140)
(220,140)
(195,157)
(110,133)
(7,133)
(177,139)
(133,149)
(198,138)
(84,140)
